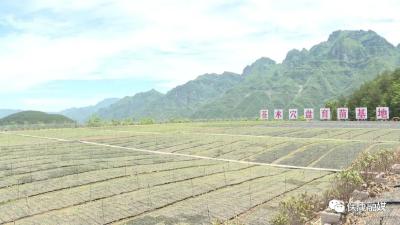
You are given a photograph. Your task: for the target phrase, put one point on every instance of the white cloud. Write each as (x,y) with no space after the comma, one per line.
(173,41)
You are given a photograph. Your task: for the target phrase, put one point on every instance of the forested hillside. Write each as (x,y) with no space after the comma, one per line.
(34,117)
(384,90)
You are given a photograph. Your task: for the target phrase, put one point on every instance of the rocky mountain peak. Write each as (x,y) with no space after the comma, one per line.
(260,64)
(295,56)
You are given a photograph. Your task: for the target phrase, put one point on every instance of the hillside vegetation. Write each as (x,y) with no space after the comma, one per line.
(180,102)
(34,117)
(384,90)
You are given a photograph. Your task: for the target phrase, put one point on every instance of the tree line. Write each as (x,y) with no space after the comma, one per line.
(384,90)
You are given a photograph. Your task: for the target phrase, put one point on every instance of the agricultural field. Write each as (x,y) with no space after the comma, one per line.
(185,173)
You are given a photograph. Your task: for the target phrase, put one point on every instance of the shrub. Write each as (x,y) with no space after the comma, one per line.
(94,121)
(280,219)
(397,156)
(301,118)
(146,121)
(115,122)
(362,170)
(297,210)
(371,163)
(344,183)
(385,159)
(178,120)
(128,121)
(364,163)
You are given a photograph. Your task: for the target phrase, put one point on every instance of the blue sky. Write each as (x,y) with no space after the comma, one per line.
(65,53)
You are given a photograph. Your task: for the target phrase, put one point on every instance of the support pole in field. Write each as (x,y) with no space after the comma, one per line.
(191,183)
(102,210)
(90,192)
(137,180)
(125,167)
(30,173)
(77,172)
(285,182)
(18,188)
(225,175)
(231,144)
(208,213)
(250,200)
(149,195)
(26,201)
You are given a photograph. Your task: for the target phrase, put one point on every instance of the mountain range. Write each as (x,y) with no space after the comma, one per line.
(305,78)
(180,102)
(83,113)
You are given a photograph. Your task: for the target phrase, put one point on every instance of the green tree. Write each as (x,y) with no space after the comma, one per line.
(384,90)
(145,121)
(94,121)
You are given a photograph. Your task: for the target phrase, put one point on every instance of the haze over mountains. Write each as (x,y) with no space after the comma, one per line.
(305,78)
(180,102)
(6,112)
(83,113)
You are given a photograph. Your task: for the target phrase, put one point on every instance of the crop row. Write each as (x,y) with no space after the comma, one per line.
(297,152)
(123,199)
